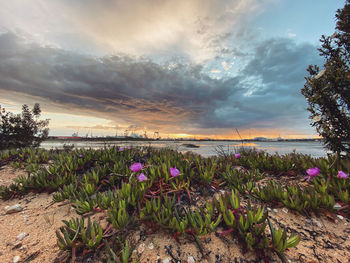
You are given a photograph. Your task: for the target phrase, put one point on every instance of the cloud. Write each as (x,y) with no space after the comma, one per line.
(196,29)
(181,98)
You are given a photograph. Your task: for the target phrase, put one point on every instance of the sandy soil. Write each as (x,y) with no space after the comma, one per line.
(324,238)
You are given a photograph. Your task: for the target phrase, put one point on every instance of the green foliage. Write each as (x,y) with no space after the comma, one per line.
(76,234)
(327,91)
(101,181)
(22,130)
(280,241)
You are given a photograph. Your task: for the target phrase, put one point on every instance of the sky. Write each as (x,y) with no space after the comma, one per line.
(184,68)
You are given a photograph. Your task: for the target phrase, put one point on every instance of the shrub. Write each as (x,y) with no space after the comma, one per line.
(22,130)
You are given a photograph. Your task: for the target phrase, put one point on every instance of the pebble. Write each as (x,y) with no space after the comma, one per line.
(150,246)
(337,206)
(13,209)
(285,210)
(16,259)
(340,217)
(22,236)
(268,209)
(23,247)
(275,210)
(190,259)
(318,223)
(167,260)
(141,248)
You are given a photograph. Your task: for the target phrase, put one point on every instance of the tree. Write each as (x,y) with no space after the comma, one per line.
(22,130)
(327,91)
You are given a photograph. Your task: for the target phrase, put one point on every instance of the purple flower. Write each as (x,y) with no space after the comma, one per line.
(136,167)
(342,175)
(237,155)
(129,147)
(174,171)
(121,149)
(258,151)
(312,172)
(80,156)
(141,177)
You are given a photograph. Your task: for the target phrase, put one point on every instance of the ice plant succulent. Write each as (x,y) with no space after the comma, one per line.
(174,171)
(136,167)
(312,172)
(142,177)
(342,175)
(237,155)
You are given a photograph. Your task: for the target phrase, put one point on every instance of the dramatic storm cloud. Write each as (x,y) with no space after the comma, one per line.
(266,93)
(200,67)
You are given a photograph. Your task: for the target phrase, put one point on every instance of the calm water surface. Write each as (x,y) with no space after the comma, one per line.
(314,149)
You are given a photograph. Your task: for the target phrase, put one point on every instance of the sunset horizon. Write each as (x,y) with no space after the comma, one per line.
(186,69)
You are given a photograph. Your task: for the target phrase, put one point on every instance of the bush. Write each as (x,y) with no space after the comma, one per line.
(328,90)
(24,129)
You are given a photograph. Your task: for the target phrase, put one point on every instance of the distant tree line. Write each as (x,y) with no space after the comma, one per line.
(22,130)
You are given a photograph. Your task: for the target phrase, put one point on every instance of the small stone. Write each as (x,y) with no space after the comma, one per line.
(340,217)
(269,209)
(16,259)
(285,210)
(318,223)
(308,221)
(167,260)
(190,259)
(150,246)
(13,209)
(23,248)
(21,236)
(337,206)
(141,248)
(275,210)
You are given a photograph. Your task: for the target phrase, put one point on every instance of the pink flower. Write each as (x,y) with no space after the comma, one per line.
(129,147)
(142,177)
(343,175)
(121,149)
(312,172)
(174,171)
(136,167)
(237,155)
(80,156)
